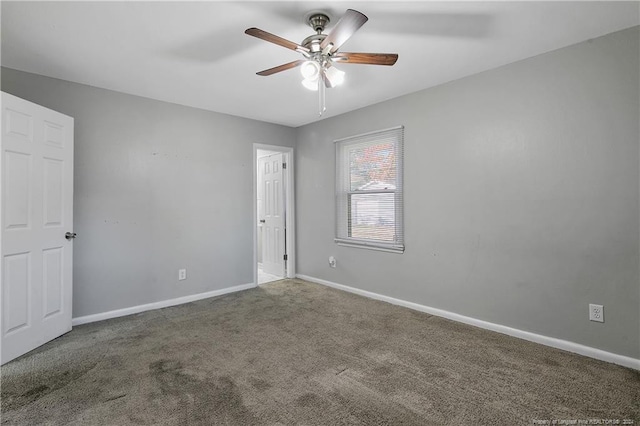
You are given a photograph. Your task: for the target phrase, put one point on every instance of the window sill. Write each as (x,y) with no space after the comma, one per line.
(370,246)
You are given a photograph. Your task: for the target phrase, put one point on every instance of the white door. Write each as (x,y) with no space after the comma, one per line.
(273,232)
(36,172)
(260,204)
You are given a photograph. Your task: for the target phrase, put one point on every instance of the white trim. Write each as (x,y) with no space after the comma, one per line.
(157,305)
(290,208)
(526,335)
(369,246)
(361,135)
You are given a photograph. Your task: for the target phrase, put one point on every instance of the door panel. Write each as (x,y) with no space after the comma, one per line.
(52,281)
(37,210)
(19,124)
(53,202)
(268,195)
(15,294)
(17,170)
(54,134)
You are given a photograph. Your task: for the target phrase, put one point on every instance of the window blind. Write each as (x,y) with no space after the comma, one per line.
(369,195)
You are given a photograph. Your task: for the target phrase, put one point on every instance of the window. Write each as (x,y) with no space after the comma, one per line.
(369,190)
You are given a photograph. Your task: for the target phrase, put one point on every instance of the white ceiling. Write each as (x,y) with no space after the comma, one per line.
(197,54)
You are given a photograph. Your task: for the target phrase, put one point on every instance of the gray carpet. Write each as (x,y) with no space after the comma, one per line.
(292,352)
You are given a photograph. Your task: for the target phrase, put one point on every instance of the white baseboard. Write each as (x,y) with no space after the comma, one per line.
(526,335)
(157,305)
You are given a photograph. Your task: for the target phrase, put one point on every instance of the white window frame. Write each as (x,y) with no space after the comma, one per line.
(343,191)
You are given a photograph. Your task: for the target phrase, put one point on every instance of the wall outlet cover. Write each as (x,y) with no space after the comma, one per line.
(182,274)
(596,313)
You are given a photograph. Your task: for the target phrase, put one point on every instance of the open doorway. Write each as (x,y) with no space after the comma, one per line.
(273,223)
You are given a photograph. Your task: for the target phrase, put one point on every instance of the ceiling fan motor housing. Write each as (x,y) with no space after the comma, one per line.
(313,42)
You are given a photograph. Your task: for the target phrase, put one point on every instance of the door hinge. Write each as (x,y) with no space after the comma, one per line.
(284,165)
(286,257)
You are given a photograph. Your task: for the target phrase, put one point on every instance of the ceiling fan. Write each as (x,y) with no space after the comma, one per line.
(321,53)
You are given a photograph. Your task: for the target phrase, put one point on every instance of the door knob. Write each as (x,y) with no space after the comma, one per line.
(70,235)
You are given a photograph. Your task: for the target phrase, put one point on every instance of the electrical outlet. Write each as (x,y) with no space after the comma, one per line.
(332,261)
(182,274)
(596,312)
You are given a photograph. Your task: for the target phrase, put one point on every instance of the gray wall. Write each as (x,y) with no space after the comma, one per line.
(157,187)
(522,195)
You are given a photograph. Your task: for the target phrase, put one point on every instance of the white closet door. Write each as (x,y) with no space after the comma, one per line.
(36,172)
(273,209)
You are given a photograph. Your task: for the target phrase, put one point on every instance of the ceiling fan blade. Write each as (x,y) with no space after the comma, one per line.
(350,22)
(282,67)
(272,38)
(366,58)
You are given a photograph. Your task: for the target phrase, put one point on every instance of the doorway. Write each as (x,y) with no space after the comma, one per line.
(273,225)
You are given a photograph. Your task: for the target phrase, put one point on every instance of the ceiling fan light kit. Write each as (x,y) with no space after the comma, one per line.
(334,76)
(310,70)
(321,52)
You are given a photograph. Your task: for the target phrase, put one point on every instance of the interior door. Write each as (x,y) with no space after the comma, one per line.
(273,231)
(260,205)
(36,172)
